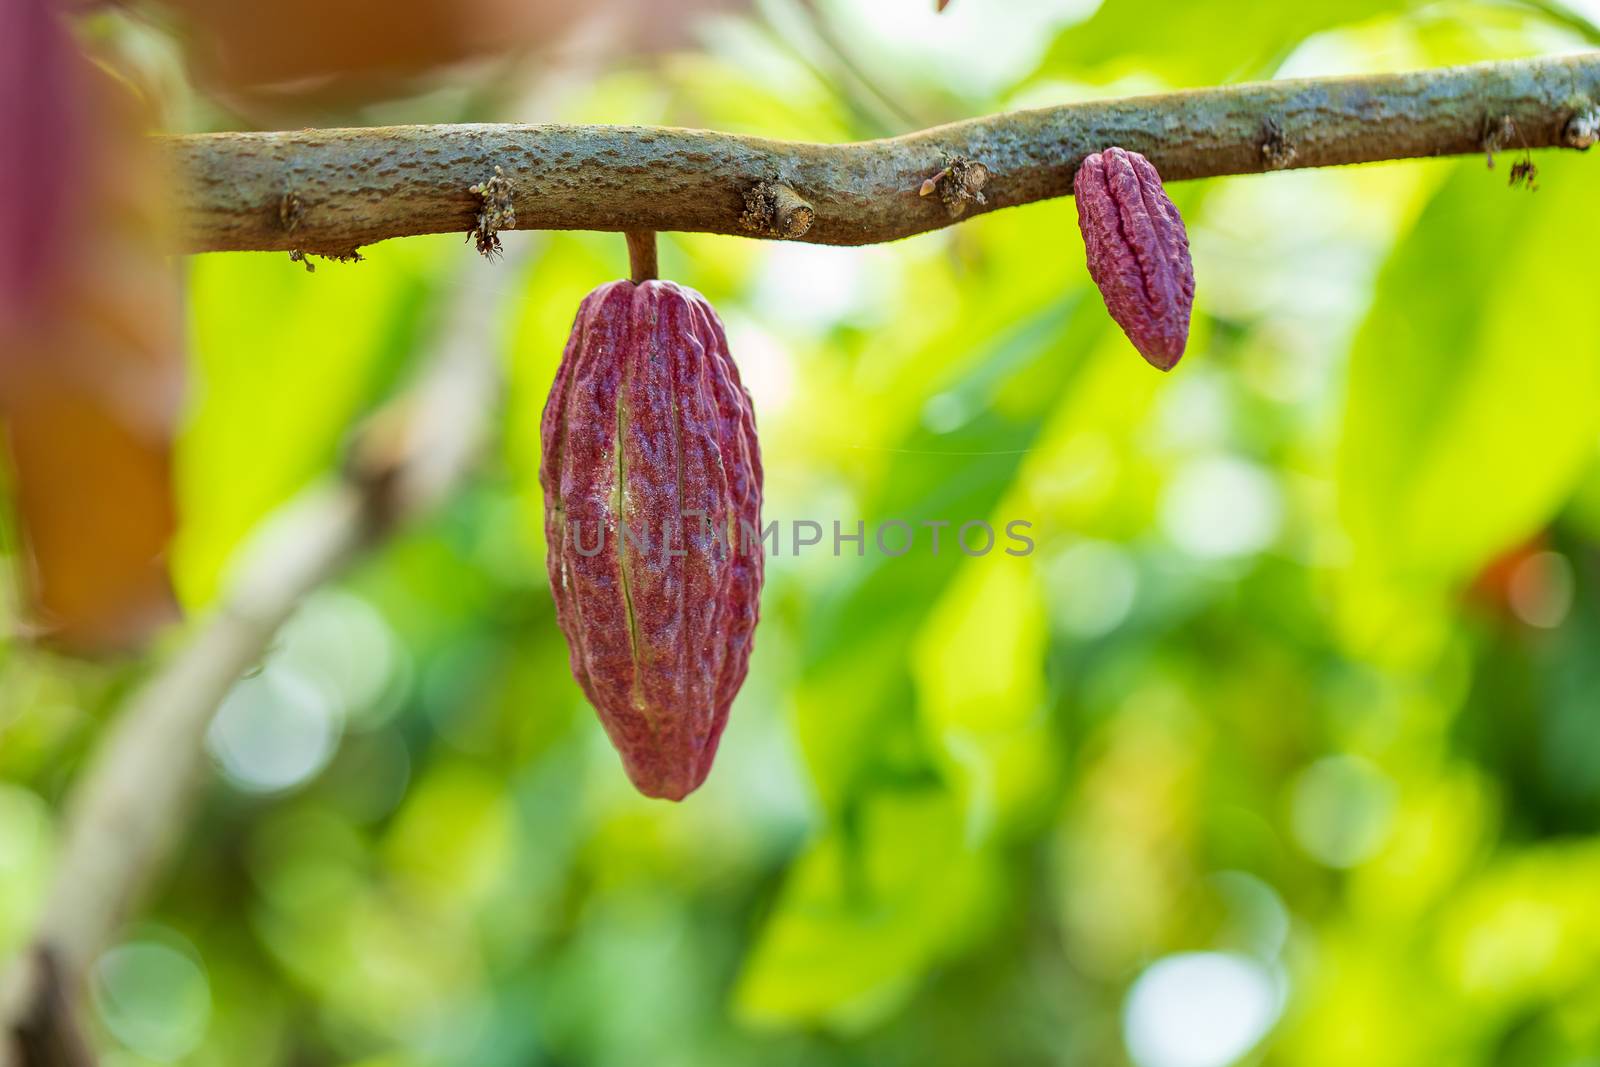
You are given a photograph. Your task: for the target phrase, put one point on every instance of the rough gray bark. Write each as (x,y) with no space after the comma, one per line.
(330,191)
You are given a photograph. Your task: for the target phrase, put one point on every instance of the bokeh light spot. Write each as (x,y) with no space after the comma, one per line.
(341,644)
(1342,809)
(1093,585)
(1221,507)
(1199,1009)
(274,731)
(1541,590)
(153,997)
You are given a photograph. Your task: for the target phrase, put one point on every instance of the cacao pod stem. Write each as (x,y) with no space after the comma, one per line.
(642,256)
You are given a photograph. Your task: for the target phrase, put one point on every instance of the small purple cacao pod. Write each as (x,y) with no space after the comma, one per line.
(1138,252)
(652,488)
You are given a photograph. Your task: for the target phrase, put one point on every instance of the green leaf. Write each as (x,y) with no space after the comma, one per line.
(1198,44)
(981,688)
(856,713)
(284,364)
(864,915)
(1474,395)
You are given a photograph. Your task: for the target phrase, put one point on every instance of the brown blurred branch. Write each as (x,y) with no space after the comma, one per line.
(48,1033)
(134,795)
(330,191)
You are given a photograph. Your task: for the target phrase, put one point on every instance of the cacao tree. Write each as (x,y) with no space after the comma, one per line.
(387,534)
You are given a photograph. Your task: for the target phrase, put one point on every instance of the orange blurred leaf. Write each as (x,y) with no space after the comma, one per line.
(91,369)
(364,49)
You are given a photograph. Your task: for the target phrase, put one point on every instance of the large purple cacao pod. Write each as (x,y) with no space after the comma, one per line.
(1138,252)
(652,484)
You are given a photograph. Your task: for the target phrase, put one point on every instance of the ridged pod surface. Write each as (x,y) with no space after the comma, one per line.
(646,430)
(1138,252)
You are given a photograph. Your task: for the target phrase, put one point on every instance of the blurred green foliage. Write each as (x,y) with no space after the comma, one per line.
(1284,745)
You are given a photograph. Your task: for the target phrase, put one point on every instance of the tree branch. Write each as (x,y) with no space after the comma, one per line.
(329,191)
